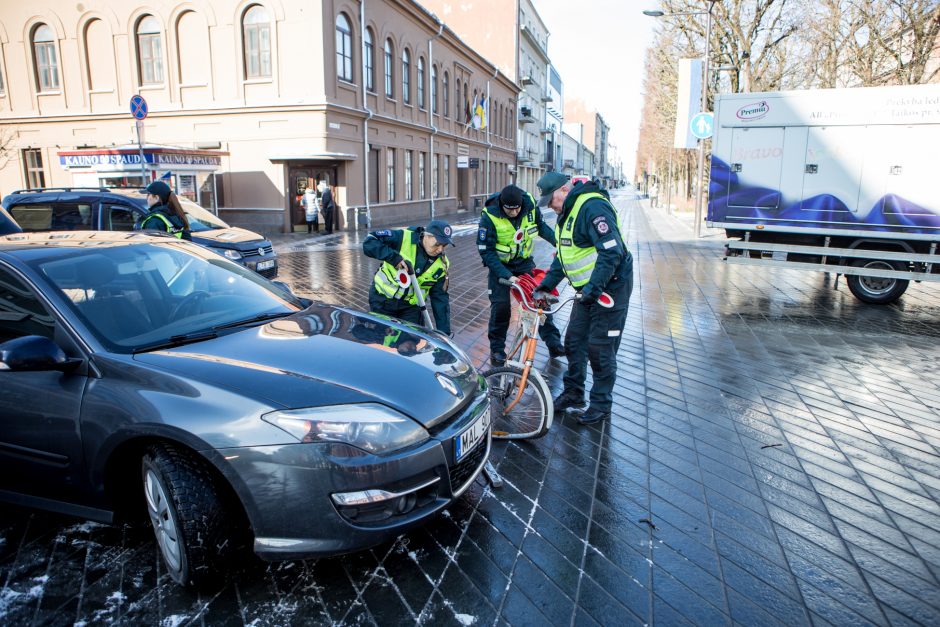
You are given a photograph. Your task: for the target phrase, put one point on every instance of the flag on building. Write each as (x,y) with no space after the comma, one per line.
(479,114)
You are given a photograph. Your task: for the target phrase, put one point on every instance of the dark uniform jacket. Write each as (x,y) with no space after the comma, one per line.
(384,246)
(614,261)
(152,222)
(486,239)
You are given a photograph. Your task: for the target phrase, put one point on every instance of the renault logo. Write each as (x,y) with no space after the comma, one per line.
(448,384)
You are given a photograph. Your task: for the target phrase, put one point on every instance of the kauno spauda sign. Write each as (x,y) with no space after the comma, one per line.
(94,160)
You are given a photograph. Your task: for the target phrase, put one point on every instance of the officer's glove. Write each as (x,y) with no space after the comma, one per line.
(589,295)
(405,265)
(541,294)
(513,279)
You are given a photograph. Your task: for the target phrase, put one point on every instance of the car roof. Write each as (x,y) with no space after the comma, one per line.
(77,239)
(74,194)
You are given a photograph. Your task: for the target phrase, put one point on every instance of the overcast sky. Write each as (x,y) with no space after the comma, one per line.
(597,47)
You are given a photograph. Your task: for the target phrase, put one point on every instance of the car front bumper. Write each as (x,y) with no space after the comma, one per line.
(288,491)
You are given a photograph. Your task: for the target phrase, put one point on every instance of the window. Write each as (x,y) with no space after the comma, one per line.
(409,190)
(446,175)
(256,33)
(434,168)
(32,163)
(390,173)
(120,218)
(21,311)
(434,88)
(445,90)
(421,82)
(370,60)
(149,51)
(406,76)
(344,60)
(422,190)
(457,111)
(389,59)
(47,66)
(57,217)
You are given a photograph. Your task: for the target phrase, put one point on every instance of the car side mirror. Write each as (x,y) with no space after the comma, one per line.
(34,353)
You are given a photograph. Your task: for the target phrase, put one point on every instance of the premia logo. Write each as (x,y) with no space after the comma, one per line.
(753,111)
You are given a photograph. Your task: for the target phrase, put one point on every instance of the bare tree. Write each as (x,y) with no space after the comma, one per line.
(7,146)
(902,39)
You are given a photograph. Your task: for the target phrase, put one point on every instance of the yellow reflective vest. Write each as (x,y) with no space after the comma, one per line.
(386,277)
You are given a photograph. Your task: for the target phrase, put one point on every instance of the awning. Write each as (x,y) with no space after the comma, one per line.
(317,156)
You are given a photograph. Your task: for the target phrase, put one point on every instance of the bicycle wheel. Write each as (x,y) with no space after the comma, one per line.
(530,417)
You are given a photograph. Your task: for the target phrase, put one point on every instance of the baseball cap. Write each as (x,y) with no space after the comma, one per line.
(157,188)
(440,230)
(547,185)
(511,196)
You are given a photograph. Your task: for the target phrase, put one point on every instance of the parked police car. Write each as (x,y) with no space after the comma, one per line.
(102,209)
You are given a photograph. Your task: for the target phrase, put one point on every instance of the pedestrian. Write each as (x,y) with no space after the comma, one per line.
(592,255)
(311,205)
(508,226)
(419,250)
(327,206)
(166,213)
(654,194)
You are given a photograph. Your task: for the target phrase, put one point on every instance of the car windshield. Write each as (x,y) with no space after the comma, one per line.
(146,296)
(200,219)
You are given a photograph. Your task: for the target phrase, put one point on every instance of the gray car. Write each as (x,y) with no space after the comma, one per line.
(146,372)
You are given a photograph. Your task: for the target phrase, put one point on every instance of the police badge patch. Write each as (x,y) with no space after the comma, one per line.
(482,235)
(383,233)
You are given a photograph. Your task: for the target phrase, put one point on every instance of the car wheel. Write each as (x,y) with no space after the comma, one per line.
(188,514)
(876,290)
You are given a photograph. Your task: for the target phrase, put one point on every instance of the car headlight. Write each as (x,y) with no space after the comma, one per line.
(368,426)
(234,255)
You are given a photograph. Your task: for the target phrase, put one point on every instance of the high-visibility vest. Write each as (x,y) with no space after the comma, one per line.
(513,243)
(578,263)
(386,277)
(170,227)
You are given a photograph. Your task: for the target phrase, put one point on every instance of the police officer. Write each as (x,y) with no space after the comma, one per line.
(418,249)
(508,226)
(166,213)
(593,257)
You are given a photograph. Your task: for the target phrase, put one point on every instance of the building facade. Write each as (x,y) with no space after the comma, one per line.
(596,132)
(282,92)
(516,41)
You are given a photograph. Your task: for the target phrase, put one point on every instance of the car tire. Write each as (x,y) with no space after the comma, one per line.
(193,530)
(876,290)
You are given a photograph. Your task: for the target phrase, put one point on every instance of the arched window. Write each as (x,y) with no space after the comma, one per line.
(389,60)
(44,57)
(466,104)
(406,76)
(370,60)
(149,51)
(256,31)
(344,58)
(434,89)
(421,103)
(457,110)
(445,87)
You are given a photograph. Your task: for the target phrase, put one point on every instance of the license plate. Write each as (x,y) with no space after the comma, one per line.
(472,436)
(265,265)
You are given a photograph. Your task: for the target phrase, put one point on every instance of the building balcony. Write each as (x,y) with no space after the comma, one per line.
(548,130)
(525,115)
(547,98)
(525,155)
(569,163)
(526,80)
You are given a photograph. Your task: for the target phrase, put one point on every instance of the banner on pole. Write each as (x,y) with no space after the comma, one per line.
(688,101)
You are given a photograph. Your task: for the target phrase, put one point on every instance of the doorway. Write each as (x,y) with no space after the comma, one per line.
(299,177)
(463,188)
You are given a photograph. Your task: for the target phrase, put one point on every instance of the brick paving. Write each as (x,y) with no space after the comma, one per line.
(772,459)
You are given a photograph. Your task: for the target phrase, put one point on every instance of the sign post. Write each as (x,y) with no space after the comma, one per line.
(139,111)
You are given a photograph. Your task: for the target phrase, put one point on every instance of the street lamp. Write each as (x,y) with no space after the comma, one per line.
(701,143)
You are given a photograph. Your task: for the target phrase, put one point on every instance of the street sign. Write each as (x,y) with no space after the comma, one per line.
(138,107)
(702,125)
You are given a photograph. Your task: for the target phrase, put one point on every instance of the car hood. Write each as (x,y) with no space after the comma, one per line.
(327,355)
(227,238)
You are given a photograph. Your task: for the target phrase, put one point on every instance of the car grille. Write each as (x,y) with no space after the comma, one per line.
(253,252)
(461,474)
(270,273)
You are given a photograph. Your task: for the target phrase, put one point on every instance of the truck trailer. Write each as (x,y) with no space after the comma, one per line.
(845,181)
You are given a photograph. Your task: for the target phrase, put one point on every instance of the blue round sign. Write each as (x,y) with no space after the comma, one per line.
(138,107)
(702,125)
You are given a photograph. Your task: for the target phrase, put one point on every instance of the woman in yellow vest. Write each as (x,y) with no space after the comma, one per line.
(593,257)
(420,249)
(166,213)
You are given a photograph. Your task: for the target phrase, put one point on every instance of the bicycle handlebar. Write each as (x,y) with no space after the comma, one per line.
(525,299)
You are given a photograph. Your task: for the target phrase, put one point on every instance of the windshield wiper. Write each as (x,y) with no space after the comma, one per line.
(271,315)
(177,340)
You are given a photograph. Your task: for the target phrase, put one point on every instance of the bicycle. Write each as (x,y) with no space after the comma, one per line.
(529,412)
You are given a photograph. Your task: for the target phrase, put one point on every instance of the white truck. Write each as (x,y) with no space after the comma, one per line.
(845,181)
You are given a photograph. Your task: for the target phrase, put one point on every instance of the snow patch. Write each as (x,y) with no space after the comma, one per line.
(465,619)
(174,620)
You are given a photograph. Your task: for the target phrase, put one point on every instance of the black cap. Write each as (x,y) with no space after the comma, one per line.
(511,196)
(440,230)
(158,188)
(547,185)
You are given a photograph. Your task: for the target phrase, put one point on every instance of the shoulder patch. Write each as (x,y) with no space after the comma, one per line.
(482,234)
(601,226)
(385,233)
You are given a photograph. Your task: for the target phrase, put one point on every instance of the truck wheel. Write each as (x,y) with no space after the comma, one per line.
(188,514)
(873,289)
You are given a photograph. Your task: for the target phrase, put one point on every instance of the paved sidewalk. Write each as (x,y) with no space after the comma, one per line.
(774,458)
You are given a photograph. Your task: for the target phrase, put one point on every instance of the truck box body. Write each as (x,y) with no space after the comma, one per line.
(828,161)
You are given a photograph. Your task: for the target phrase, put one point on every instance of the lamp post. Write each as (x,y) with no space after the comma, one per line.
(701,143)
